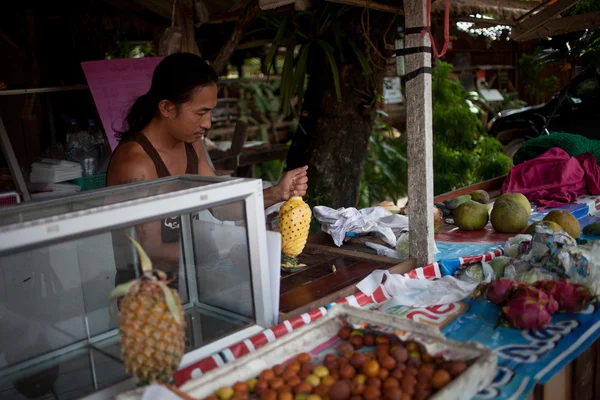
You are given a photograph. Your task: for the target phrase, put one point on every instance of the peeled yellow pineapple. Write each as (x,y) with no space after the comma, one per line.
(151,323)
(294,225)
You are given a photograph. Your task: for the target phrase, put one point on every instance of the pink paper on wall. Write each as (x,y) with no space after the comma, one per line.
(115,84)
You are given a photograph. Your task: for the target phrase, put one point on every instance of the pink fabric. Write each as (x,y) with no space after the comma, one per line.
(554,178)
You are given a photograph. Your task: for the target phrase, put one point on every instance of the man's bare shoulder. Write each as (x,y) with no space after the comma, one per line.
(130,163)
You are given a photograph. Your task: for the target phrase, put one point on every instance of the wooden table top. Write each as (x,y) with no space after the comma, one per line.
(317,284)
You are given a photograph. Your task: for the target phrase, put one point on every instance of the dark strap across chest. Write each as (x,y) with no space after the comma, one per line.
(161,169)
(170,227)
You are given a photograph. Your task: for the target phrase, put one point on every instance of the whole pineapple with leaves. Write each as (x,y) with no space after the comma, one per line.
(151,324)
(294,225)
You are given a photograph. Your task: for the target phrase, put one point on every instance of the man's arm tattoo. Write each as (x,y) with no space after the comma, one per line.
(141,178)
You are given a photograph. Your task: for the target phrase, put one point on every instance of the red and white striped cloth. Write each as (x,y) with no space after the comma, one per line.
(269,335)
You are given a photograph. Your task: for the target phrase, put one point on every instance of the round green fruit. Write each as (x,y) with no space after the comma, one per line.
(471,216)
(521,199)
(566,220)
(480,196)
(509,216)
(553,226)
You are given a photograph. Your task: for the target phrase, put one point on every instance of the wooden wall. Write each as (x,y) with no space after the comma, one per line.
(41,45)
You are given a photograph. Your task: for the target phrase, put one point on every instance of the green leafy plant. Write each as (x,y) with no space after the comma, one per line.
(385,172)
(306,35)
(122,48)
(260,104)
(535,83)
(462,153)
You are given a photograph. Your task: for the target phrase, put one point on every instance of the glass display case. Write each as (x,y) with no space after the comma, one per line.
(60,259)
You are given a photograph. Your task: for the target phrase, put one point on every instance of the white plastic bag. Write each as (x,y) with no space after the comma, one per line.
(511,248)
(419,292)
(376,221)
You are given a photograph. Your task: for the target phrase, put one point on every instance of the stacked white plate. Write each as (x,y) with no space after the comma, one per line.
(53,171)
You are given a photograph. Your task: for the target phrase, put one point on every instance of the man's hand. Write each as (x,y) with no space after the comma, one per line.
(293,183)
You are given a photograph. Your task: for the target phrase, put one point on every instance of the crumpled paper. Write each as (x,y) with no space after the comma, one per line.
(419,292)
(375,220)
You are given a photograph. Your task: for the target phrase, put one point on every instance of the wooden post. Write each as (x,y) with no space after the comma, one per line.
(420,137)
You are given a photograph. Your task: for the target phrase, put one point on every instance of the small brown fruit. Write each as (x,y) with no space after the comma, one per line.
(278,370)
(276,383)
(241,387)
(285,396)
(328,380)
(369,339)
(347,372)
(261,386)
(322,390)
(284,388)
(357,388)
(329,358)
(304,358)
(294,366)
(357,360)
(391,382)
(388,362)
(400,354)
(288,373)
(371,368)
(397,373)
(269,395)
(383,374)
(293,381)
(457,368)
(303,387)
(344,333)
(344,349)
(360,378)
(356,341)
(408,387)
(340,391)
(441,378)
(382,339)
(371,393)
(266,375)
(376,382)
(392,394)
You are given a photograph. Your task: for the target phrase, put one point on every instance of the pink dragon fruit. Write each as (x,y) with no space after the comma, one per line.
(526,313)
(497,291)
(528,308)
(571,297)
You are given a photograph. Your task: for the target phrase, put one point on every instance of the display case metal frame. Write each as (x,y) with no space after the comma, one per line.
(32,232)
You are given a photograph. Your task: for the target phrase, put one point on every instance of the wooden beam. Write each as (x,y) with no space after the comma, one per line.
(371,5)
(420,138)
(537,20)
(220,62)
(489,22)
(185,19)
(564,25)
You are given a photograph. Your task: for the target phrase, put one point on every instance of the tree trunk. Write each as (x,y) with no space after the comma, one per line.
(333,135)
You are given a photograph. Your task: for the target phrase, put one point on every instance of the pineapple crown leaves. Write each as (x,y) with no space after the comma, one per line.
(161,281)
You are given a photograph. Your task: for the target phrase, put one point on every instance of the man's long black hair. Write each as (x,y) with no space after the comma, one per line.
(175,78)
